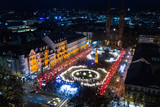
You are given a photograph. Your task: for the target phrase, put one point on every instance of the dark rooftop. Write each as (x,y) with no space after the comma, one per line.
(146,51)
(143,71)
(26,47)
(21,49)
(140,74)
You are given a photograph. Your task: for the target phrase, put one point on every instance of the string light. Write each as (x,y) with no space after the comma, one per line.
(85,82)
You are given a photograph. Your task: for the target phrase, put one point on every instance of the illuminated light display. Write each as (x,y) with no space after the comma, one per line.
(96,57)
(85,82)
(41,18)
(77,73)
(110,60)
(115,54)
(43,84)
(84,73)
(58,79)
(90,75)
(100,51)
(56,17)
(64,65)
(67,89)
(102,69)
(88,70)
(122,68)
(111,73)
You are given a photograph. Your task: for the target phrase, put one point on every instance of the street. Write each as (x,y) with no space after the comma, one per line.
(41,98)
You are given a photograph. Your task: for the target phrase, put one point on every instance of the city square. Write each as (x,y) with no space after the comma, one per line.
(77,77)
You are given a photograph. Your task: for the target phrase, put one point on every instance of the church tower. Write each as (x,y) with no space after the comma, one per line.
(121,20)
(108,18)
(114,33)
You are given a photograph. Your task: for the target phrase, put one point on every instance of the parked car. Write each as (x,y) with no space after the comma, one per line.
(52,103)
(57,99)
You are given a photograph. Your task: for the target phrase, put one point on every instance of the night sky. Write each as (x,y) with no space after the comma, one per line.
(33,4)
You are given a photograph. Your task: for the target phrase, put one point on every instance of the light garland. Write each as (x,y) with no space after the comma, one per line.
(83,81)
(75,78)
(102,69)
(115,55)
(69,69)
(99,51)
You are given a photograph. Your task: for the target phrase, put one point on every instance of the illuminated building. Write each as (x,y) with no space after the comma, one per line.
(33,63)
(21,29)
(149,39)
(41,55)
(19,26)
(113,33)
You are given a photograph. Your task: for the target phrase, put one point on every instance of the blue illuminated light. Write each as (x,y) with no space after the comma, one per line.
(58,79)
(92,63)
(94,43)
(56,17)
(127,18)
(67,89)
(41,18)
(43,84)
(122,68)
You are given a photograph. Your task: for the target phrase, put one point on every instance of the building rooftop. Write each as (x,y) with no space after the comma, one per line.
(21,49)
(140,74)
(144,71)
(146,51)
(24,49)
